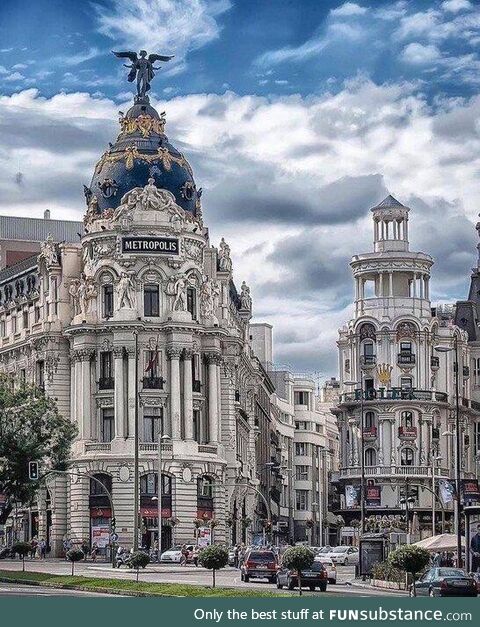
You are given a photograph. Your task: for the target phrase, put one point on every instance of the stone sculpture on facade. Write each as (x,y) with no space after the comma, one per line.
(224,259)
(48,252)
(126,292)
(245,298)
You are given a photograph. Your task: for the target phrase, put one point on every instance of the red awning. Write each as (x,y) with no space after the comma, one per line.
(152,512)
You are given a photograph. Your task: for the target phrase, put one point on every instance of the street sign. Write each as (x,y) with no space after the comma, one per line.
(33,471)
(114,537)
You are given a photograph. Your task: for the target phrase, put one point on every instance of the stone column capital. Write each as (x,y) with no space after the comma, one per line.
(213,358)
(82,354)
(174,352)
(187,352)
(118,352)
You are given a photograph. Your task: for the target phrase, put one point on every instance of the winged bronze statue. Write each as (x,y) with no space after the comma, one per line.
(142,68)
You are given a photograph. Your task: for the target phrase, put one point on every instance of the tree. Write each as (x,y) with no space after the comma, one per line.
(31,429)
(138,560)
(298,558)
(74,555)
(22,548)
(412,559)
(213,558)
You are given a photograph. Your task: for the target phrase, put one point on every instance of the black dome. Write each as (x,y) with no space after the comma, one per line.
(142,151)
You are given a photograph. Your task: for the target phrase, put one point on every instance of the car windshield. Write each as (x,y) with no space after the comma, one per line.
(317,567)
(174,549)
(326,549)
(450,572)
(340,549)
(266,556)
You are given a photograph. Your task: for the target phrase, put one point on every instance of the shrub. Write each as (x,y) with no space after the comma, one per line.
(213,558)
(22,548)
(138,560)
(411,559)
(387,572)
(298,558)
(75,555)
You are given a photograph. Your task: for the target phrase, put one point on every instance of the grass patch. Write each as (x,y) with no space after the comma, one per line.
(145,588)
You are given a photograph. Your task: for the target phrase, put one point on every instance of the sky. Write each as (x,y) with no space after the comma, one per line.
(296,116)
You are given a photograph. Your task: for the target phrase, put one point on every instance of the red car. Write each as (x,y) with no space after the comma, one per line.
(260,564)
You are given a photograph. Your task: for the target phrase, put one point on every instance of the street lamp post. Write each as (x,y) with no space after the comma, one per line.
(458,505)
(406,501)
(362,455)
(434,473)
(161,439)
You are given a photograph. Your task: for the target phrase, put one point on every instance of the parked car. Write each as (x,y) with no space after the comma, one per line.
(231,556)
(445,582)
(259,564)
(5,552)
(323,550)
(476,577)
(315,577)
(330,567)
(343,555)
(174,554)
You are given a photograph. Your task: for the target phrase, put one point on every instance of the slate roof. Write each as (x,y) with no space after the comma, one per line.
(37,229)
(389,203)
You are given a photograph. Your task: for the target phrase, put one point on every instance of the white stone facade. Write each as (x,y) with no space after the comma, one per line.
(387,355)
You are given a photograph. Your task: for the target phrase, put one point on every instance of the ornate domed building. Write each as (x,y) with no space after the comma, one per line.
(140,333)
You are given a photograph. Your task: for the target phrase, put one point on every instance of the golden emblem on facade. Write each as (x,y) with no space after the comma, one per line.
(384,372)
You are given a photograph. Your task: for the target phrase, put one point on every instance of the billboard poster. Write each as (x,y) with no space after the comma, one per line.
(204,537)
(352,495)
(373,496)
(447,491)
(100,534)
(470,490)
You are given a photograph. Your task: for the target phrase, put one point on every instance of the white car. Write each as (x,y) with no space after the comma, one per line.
(173,555)
(330,566)
(344,555)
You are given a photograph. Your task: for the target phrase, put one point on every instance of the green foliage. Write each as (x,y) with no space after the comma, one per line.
(411,559)
(386,572)
(298,558)
(75,555)
(31,429)
(21,548)
(213,557)
(139,559)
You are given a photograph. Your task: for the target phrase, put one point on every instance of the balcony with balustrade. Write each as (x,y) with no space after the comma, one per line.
(419,472)
(370,433)
(406,359)
(407,433)
(392,394)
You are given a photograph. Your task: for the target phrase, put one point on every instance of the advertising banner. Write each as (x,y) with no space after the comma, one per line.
(373,496)
(470,490)
(101,535)
(447,491)
(352,495)
(204,537)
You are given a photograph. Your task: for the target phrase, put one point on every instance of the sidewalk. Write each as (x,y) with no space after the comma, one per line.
(358,583)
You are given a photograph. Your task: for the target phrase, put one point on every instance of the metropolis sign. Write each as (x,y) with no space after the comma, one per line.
(155,245)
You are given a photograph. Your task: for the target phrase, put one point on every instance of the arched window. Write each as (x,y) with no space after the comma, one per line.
(205,487)
(149,484)
(407,457)
(369,420)
(95,487)
(407,419)
(107,298)
(370,457)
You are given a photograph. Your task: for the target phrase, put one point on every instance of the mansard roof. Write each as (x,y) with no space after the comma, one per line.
(37,229)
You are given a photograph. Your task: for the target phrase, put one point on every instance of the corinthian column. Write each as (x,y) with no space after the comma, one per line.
(119,393)
(213,360)
(84,394)
(173,354)
(188,393)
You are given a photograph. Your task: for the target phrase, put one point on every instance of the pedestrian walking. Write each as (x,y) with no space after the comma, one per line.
(43,549)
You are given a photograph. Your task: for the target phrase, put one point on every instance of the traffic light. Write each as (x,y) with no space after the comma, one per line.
(33,471)
(113,523)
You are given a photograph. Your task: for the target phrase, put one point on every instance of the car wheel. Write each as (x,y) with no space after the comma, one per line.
(312,588)
(290,585)
(246,578)
(271,579)
(410,593)
(345,563)
(323,587)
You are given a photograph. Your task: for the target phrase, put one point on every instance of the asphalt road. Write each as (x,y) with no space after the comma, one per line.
(168,573)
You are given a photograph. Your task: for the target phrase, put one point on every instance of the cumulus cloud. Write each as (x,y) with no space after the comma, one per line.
(453,6)
(288,181)
(420,54)
(348,9)
(164,26)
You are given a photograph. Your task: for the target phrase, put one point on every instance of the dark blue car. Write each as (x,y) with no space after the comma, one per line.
(445,582)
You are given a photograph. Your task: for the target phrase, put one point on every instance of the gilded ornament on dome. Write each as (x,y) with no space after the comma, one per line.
(131,153)
(144,123)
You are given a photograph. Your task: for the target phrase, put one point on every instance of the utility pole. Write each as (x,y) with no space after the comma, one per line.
(136,480)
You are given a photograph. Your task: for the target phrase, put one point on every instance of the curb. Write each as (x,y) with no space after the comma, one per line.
(367,586)
(66,586)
